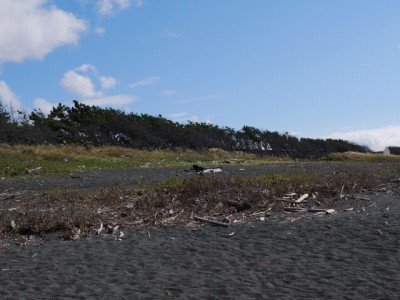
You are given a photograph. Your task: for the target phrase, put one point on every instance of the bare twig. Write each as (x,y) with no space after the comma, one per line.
(210,221)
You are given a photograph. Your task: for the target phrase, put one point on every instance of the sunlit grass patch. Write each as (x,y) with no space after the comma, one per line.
(23,160)
(362,157)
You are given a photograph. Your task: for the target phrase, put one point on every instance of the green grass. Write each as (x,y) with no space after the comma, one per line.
(17,161)
(22,160)
(362,157)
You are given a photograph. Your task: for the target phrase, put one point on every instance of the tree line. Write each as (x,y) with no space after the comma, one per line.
(91,125)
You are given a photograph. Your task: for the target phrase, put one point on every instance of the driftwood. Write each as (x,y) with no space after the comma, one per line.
(201,170)
(315,210)
(210,221)
(172,218)
(290,201)
(302,198)
(291,195)
(295,209)
(113,223)
(265,212)
(361,198)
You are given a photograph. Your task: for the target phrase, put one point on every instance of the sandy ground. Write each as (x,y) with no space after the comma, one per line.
(348,255)
(133,177)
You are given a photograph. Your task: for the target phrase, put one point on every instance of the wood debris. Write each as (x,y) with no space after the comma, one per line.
(201,170)
(302,198)
(207,200)
(298,205)
(197,218)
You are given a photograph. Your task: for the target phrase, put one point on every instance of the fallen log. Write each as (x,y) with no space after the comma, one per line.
(197,218)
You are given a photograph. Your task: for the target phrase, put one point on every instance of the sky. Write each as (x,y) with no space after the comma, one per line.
(313,68)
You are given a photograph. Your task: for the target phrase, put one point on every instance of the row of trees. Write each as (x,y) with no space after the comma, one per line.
(92,125)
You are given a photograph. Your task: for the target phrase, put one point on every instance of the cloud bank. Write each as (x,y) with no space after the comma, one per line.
(81,82)
(31,29)
(79,85)
(8,97)
(116,100)
(146,81)
(111,7)
(376,139)
(43,105)
(86,83)
(183,117)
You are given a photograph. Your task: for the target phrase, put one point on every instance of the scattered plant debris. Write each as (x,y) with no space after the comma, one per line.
(214,199)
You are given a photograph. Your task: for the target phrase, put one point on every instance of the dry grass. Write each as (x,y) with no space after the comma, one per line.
(20,160)
(77,214)
(362,157)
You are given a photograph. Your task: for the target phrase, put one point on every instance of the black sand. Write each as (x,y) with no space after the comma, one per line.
(348,255)
(133,177)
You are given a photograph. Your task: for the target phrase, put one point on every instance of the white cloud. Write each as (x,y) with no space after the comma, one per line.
(100,31)
(111,7)
(172,34)
(170,93)
(8,97)
(196,119)
(146,81)
(116,100)
(79,85)
(376,139)
(178,116)
(43,105)
(138,3)
(107,82)
(183,117)
(85,68)
(81,82)
(197,99)
(32,29)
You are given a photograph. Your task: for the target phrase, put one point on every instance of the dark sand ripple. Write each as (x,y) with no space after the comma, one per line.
(350,255)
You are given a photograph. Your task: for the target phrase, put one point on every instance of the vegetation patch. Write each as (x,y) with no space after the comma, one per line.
(362,157)
(22,160)
(87,125)
(78,214)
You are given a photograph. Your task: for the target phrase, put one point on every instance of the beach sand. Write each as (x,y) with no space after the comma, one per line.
(347,255)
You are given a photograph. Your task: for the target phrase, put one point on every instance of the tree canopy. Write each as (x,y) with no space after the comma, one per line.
(92,125)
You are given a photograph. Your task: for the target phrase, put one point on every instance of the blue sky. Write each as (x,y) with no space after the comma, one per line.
(313,68)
